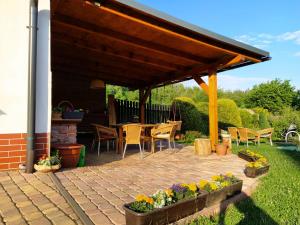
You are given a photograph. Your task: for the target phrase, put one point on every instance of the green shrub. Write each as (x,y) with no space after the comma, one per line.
(249,120)
(283,119)
(192,118)
(228,114)
(190,136)
(263,121)
(203,107)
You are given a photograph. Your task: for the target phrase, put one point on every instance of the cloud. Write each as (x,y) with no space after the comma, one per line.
(297,54)
(230,82)
(263,40)
(291,36)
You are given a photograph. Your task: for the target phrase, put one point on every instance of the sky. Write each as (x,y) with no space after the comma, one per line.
(272,25)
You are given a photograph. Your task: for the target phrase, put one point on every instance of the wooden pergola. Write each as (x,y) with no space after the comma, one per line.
(124,43)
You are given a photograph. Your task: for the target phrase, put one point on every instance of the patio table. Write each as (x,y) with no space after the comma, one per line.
(119,126)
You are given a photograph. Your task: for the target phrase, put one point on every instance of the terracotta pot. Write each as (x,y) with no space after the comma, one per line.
(69,154)
(221,149)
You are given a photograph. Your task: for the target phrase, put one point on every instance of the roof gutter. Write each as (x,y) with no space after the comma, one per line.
(31,106)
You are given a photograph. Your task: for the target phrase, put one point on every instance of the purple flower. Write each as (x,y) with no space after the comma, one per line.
(178,188)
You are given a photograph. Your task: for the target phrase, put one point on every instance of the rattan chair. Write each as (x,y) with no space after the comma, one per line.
(133,136)
(233,131)
(246,135)
(104,134)
(163,132)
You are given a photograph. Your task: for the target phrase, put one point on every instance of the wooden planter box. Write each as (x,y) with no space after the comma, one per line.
(254,172)
(72,115)
(168,214)
(223,194)
(247,157)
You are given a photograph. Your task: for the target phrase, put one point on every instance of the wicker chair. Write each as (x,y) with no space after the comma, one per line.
(246,135)
(133,136)
(233,131)
(163,132)
(104,134)
(265,133)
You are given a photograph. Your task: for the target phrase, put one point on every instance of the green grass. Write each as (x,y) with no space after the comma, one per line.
(275,201)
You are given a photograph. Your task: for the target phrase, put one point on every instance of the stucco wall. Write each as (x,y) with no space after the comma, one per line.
(14,17)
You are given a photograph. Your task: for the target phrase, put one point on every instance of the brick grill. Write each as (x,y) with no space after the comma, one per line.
(63,133)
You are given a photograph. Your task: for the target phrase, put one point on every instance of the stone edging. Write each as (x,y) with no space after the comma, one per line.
(73,204)
(221,207)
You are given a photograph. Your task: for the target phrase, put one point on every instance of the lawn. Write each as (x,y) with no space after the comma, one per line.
(275,201)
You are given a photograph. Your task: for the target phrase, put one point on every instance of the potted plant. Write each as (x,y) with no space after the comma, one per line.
(249,155)
(259,167)
(165,206)
(48,163)
(56,113)
(221,188)
(221,149)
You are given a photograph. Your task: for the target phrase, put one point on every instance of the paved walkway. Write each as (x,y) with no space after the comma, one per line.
(101,190)
(32,199)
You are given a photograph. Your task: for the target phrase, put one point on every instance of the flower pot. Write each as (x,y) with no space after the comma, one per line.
(221,149)
(46,169)
(69,154)
(246,157)
(168,214)
(254,172)
(221,195)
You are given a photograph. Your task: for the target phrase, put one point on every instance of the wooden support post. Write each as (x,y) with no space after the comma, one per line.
(142,106)
(143,95)
(213,108)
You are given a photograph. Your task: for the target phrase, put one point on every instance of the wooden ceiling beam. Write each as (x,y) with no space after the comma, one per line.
(175,34)
(202,84)
(121,37)
(123,75)
(194,71)
(128,56)
(107,78)
(99,65)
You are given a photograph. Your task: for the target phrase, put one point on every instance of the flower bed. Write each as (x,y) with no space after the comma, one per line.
(180,200)
(221,188)
(249,155)
(254,169)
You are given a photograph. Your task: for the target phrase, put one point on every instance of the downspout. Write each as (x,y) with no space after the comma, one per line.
(31,107)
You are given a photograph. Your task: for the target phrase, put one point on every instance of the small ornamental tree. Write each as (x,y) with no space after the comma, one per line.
(273,95)
(228,114)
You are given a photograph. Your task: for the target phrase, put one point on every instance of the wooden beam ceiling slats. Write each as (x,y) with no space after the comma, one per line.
(121,37)
(171,32)
(123,56)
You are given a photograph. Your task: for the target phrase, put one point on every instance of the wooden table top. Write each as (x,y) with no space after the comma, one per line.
(142,125)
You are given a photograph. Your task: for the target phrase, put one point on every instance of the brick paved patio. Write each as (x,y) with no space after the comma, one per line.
(102,188)
(32,199)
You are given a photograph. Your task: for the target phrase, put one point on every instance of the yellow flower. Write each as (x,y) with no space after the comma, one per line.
(250,164)
(169,192)
(192,187)
(225,184)
(213,186)
(229,174)
(149,200)
(140,198)
(216,177)
(202,184)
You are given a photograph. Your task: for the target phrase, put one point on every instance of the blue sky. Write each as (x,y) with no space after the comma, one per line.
(273,26)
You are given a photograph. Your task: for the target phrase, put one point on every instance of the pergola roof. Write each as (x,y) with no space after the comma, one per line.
(127,44)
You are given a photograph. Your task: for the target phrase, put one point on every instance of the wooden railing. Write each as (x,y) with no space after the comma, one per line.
(128,111)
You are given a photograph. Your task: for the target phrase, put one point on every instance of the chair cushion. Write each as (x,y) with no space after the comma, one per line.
(162,136)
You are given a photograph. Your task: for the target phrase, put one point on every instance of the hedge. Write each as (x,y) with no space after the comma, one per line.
(228,114)
(192,118)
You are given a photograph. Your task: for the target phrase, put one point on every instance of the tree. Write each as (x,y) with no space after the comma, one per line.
(296,100)
(273,95)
